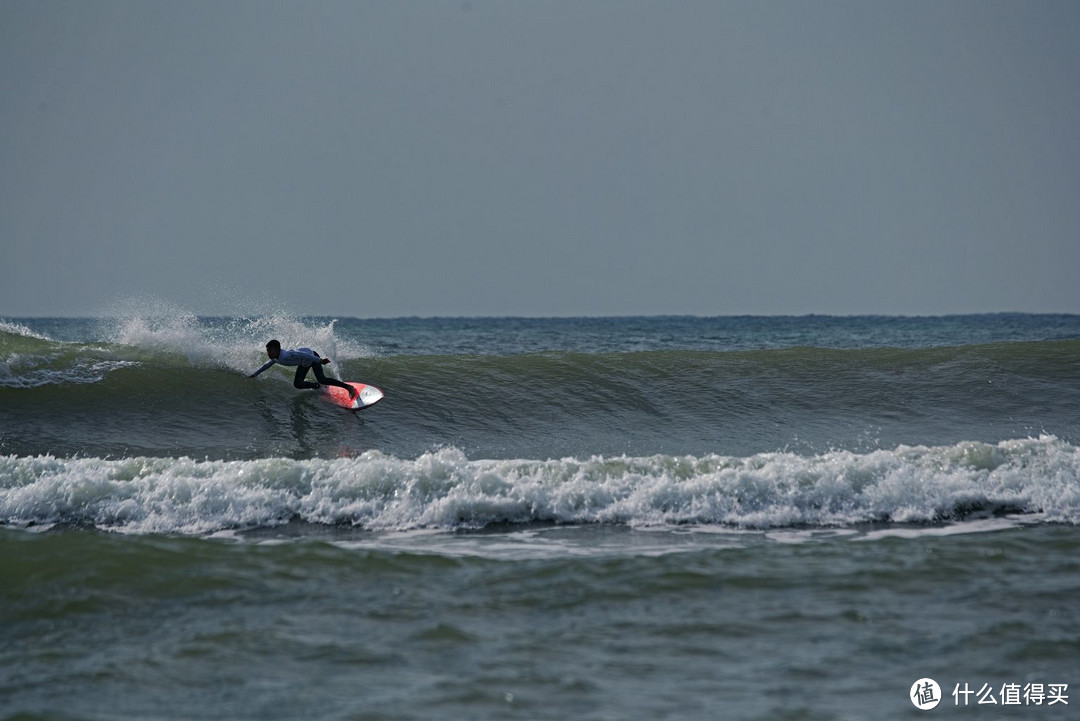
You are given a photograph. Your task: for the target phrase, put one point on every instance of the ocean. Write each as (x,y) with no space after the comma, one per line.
(592,518)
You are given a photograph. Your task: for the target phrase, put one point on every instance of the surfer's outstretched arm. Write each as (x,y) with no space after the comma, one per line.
(263,367)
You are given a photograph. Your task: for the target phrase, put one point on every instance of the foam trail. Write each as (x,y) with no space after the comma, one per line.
(446,490)
(33,371)
(20,330)
(29,359)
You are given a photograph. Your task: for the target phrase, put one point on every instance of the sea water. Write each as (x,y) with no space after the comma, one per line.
(596,518)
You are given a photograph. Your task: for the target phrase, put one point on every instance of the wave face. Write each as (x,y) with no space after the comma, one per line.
(107,401)
(445,490)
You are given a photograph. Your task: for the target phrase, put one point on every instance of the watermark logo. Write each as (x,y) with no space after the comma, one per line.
(925,694)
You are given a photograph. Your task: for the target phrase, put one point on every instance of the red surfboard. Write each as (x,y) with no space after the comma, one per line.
(369,395)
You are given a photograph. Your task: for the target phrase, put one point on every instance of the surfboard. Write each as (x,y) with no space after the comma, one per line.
(369,395)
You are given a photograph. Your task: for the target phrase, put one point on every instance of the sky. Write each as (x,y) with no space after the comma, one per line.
(543,158)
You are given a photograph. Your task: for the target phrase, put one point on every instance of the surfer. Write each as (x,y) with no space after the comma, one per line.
(304,359)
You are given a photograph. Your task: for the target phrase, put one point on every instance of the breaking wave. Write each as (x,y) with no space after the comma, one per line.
(1035,477)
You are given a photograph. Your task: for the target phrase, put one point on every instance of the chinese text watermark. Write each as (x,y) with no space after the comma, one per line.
(926,694)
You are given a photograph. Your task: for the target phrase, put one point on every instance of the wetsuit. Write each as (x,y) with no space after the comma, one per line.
(304,359)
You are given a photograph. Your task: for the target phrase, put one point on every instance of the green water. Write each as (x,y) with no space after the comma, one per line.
(545,622)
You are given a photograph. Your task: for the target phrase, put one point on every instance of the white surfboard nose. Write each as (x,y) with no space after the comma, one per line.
(368,396)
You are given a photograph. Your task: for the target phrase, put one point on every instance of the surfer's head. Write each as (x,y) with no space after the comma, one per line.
(273,348)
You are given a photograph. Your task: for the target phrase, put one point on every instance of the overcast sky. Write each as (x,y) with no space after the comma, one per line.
(595,157)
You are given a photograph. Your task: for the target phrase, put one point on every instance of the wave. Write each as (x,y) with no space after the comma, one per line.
(163,395)
(167,342)
(687,375)
(18,329)
(28,359)
(1039,477)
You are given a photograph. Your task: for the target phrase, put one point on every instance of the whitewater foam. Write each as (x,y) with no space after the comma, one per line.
(446,490)
(20,330)
(234,343)
(32,371)
(30,359)
(153,332)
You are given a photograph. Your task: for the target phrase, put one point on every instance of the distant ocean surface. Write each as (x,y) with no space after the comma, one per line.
(587,518)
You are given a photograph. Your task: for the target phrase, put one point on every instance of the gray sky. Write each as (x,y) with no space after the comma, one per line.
(596,157)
